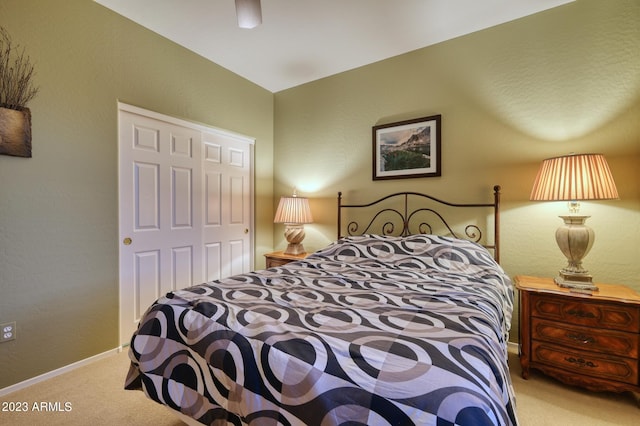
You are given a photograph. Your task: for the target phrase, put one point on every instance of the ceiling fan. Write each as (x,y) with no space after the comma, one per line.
(249,13)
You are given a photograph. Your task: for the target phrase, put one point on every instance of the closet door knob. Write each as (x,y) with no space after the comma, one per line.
(127,241)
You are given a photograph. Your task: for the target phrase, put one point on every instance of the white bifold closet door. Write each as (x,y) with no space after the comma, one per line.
(185,205)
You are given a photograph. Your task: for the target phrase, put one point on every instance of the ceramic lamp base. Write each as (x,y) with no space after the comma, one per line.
(294,235)
(575,240)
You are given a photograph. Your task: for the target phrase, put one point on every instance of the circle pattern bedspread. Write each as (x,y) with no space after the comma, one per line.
(372,330)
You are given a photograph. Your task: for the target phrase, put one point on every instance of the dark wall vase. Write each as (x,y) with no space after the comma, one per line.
(15,132)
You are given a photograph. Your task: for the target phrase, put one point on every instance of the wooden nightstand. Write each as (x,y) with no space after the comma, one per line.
(590,341)
(279,258)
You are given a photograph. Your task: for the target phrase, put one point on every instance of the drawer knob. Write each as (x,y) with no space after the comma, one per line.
(581,362)
(581,338)
(581,314)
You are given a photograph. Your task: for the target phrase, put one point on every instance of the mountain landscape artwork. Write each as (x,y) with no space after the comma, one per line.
(404,150)
(407,149)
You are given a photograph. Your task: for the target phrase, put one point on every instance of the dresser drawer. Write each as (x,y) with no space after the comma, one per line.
(586,363)
(585,338)
(272,263)
(614,316)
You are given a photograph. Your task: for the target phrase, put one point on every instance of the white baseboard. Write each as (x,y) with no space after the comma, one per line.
(57,372)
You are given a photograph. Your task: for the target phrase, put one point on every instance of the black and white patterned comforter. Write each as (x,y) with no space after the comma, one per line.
(371,330)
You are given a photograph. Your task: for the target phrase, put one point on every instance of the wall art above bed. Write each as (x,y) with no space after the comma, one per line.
(407,149)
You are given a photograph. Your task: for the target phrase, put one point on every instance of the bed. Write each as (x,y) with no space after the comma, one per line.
(381,327)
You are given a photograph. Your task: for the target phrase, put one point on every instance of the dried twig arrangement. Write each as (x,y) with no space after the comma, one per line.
(16,74)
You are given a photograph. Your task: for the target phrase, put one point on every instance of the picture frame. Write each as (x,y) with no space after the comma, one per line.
(407,149)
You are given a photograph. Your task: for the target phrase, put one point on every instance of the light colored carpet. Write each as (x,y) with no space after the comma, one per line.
(97,397)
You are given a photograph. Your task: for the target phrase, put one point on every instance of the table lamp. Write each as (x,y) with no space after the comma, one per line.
(294,212)
(574,178)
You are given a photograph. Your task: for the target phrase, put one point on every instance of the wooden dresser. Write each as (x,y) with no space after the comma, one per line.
(585,340)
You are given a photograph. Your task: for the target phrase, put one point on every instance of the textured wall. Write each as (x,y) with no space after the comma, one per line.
(59,209)
(561,81)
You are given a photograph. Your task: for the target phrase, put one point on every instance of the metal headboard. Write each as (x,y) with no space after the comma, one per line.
(404,216)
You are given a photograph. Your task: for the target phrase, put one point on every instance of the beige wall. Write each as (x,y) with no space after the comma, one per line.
(58,210)
(565,80)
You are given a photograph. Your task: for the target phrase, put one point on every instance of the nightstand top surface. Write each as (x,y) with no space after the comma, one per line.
(282,255)
(616,292)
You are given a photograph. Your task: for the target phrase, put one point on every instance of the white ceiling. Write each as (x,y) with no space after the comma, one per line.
(304,40)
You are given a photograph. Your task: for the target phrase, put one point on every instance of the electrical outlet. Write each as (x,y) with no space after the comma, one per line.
(7,331)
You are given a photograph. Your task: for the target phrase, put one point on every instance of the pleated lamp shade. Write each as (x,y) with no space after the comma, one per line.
(293,210)
(574,177)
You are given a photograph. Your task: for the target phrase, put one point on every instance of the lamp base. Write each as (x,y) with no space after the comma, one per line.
(294,234)
(295,249)
(575,239)
(580,281)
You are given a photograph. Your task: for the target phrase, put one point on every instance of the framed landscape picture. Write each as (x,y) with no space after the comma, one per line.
(407,149)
